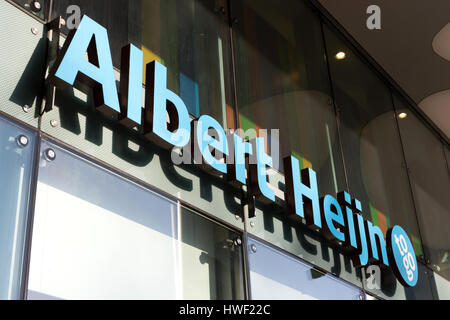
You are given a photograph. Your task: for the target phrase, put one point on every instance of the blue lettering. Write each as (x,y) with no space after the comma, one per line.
(259,162)
(332,214)
(302,194)
(98,72)
(130,94)
(160,102)
(203,140)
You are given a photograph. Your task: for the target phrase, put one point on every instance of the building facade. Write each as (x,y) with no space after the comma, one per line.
(92,209)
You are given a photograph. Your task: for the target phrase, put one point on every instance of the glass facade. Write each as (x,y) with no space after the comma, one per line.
(111,215)
(190,38)
(430,183)
(282,83)
(112,239)
(371,144)
(17,147)
(275,275)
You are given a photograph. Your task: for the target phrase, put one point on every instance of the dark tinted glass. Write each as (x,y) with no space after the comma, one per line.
(282,83)
(430,180)
(371,143)
(384,284)
(190,37)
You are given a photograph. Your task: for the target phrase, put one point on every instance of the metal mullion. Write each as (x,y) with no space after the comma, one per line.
(245,257)
(30,218)
(338,122)
(407,172)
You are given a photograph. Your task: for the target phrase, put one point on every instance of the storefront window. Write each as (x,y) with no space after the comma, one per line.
(275,276)
(98,236)
(17,149)
(189,37)
(371,143)
(282,83)
(430,182)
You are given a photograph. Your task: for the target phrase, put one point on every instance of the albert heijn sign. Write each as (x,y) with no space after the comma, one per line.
(339,218)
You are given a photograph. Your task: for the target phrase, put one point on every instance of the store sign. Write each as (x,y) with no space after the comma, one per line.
(338,218)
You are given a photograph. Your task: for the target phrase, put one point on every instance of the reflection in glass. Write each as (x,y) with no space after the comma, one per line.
(388,287)
(189,37)
(430,180)
(16,163)
(98,236)
(370,140)
(282,83)
(442,287)
(276,276)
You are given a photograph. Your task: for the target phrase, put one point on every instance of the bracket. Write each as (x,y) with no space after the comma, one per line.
(53,38)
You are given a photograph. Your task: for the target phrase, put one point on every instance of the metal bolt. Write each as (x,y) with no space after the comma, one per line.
(34,31)
(238,241)
(26,108)
(252,224)
(237,217)
(22,141)
(63,22)
(50,154)
(253,248)
(36,6)
(54,123)
(362,296)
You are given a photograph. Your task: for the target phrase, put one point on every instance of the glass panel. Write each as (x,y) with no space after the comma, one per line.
(430,182)
(371,144)
(272,225)
(128,151)
(39,8)
(16,170)
(98,236)
(442,287)
(189,37)
(219,275)
(390,288)
(83,128)
(282,83)
(275,276)
(22,56)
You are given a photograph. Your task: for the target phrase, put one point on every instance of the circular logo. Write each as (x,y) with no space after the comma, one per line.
(402,257)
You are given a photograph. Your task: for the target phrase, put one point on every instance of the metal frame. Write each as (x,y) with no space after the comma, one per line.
(44,9)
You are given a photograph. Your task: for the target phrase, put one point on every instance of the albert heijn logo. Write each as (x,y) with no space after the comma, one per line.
(166,121)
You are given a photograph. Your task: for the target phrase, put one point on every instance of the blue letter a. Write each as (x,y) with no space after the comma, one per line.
(97,72)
